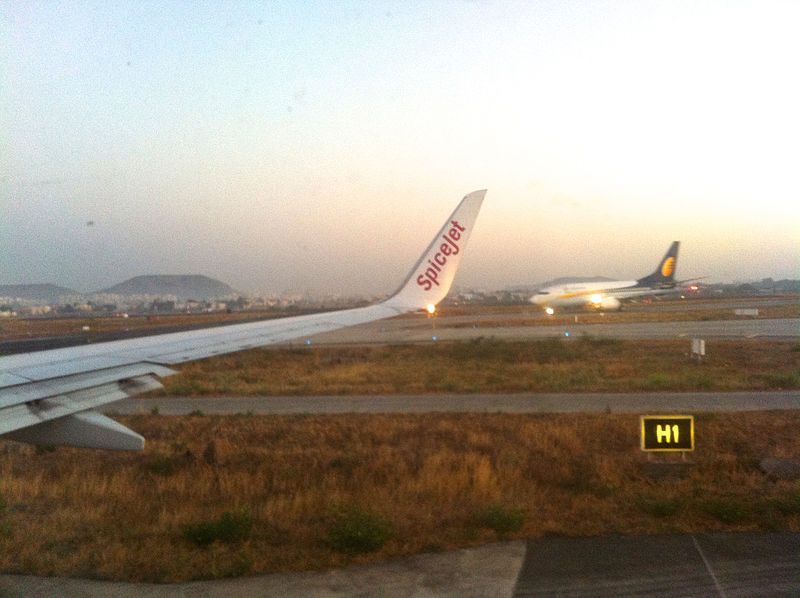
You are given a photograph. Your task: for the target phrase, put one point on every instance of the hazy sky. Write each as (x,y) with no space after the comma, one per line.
(318,146)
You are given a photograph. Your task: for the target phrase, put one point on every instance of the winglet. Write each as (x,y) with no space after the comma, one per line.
(431,278)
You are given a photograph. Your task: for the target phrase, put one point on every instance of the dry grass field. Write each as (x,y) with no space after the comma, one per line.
(486,366)
(221,496)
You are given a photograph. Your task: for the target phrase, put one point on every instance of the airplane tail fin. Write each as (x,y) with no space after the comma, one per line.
(665,273)
(433,274)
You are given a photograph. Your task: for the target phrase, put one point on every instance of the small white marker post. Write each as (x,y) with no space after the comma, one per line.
(667,433)
(698,349)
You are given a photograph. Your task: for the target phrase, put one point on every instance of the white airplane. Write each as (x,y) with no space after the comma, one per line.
(607,295)
(49,397)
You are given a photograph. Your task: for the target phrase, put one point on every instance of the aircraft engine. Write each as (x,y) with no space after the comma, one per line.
(610,304)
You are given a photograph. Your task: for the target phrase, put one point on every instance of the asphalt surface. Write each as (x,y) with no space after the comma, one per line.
(485,403)
(748,564)
(422,330)
(675,565)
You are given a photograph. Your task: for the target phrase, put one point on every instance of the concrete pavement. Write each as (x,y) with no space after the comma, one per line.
(720,564)
(484,571)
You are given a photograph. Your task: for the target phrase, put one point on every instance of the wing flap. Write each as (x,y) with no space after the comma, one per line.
(33,391)
(43,410)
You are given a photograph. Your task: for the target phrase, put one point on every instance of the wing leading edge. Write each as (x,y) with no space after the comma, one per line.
(48,397)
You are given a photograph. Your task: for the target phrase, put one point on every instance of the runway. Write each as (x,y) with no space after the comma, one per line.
(485,403)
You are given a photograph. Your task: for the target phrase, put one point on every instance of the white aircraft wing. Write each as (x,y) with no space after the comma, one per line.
(49,397)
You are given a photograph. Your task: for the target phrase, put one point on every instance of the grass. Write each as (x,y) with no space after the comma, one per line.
(215,496)
(491,366)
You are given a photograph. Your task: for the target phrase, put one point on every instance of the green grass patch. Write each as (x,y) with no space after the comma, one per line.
(728,510)
(599,342)
(231,527)
(356,531)
(660,507)
(5,528)
(503,520)
(781,380)
(163,465)
(786,505)
(657,381)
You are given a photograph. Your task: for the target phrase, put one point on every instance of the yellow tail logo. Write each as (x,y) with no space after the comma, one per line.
(668,268)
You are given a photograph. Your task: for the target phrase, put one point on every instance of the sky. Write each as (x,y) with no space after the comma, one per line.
(318,146)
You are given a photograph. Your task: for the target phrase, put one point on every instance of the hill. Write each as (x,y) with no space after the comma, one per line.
(182,286)
(45,293)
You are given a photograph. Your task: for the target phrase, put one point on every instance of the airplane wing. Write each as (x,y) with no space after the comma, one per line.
(685,280)
(49,397)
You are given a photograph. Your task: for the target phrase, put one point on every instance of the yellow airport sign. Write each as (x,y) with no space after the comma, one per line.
(667,432)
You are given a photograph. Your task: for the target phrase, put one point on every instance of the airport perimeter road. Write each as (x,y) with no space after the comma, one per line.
(749,564)
(418,331)
(509,403)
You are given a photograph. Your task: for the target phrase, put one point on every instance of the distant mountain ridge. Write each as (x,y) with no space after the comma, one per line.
(182,286)
(47,293)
